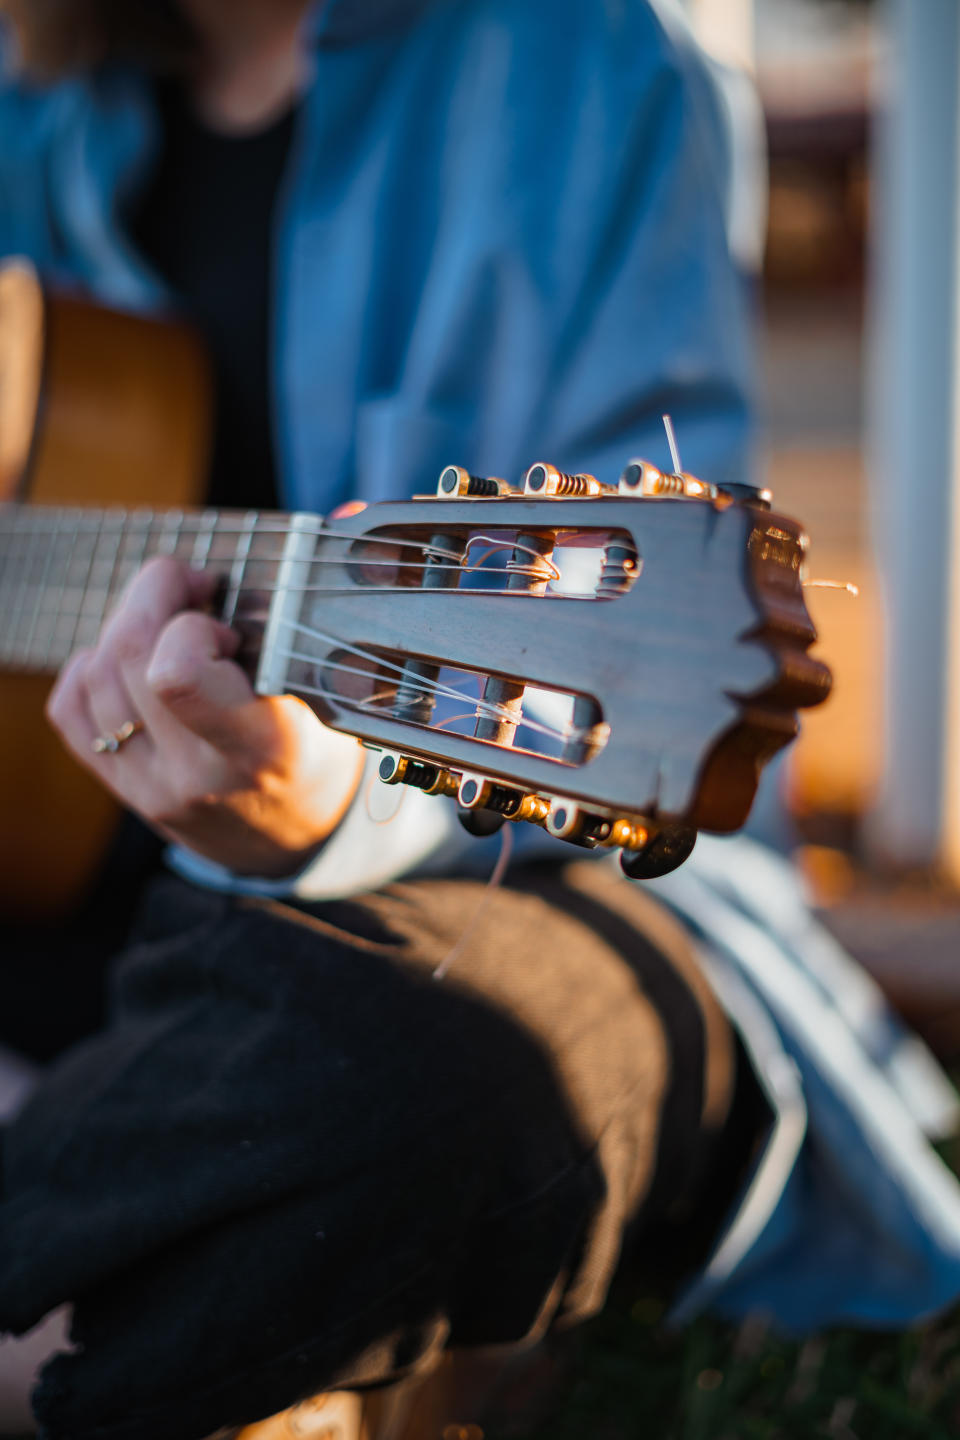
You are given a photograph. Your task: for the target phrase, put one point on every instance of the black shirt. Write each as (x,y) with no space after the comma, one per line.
(206,222)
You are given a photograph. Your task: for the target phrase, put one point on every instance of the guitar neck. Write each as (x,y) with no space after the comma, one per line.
(62,568)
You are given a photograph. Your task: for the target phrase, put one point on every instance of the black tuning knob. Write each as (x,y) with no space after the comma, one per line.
(480,822)
(665,851)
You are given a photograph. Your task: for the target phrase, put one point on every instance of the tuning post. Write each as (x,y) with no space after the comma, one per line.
(621,566)
(456,483)
(414,701)
(478,792)
(546,480)
(396,769)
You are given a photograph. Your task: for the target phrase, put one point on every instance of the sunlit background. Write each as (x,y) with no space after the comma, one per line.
(858,383)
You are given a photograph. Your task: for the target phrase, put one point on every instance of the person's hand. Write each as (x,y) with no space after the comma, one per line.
(254,783)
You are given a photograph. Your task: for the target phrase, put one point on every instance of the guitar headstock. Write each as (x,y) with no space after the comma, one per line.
(613,662)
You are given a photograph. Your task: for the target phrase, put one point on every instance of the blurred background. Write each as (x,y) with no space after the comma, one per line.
(859,322)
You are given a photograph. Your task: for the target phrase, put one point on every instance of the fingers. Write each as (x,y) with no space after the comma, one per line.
(159,591)
(68,706)
(102,689)
(192,675)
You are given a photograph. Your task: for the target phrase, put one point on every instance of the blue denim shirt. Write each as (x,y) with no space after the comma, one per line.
(501,237)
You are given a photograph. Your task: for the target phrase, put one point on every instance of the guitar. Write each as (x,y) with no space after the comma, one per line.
(612,661)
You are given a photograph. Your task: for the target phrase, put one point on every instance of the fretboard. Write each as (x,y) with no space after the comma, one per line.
(62,569)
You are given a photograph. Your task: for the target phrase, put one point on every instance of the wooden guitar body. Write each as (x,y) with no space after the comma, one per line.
(96,408)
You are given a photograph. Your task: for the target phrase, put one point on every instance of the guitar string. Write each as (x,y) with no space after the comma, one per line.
(206,527)
(101,595)
(18,529)
(488,709)
(209,532)
(543,563)
(349,561)
(496,878)
(481,710)
(98,598)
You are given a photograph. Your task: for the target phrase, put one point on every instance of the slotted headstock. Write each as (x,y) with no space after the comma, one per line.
(614,663)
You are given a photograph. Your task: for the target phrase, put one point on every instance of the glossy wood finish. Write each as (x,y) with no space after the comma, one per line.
(698,669)
(122,416)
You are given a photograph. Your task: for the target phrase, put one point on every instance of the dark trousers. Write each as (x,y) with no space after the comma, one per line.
(295,1160)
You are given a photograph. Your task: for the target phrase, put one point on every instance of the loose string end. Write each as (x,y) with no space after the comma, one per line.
(496,879)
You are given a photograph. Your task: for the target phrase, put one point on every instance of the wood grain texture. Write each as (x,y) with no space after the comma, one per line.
(123,419)
(698,669)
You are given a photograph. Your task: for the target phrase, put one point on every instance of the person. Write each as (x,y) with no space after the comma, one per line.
(411,230)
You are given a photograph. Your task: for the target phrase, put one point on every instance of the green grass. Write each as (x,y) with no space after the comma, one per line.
(715,1381)
(719,1382)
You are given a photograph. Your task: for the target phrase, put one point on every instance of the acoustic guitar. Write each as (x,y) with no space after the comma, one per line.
(613,660)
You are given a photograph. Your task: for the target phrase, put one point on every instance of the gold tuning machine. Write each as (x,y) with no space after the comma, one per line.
(647,849)
(396,769)
(569,821)
(477,792)
(642,479)
(455,483)
(543,480)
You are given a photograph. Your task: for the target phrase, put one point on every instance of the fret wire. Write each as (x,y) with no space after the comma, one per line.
(7,574)
(142,552)
(5,585)
(72,530)
(118,540)
(88,571)
(41,586)
(34,557)
(239,566)
(172,525)
(20,574)
(204,540)
(159,534)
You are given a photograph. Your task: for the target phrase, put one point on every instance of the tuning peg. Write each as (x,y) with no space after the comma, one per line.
(478,792)
(480,822)
(455,482)
(641,478)
(396,769)
(664,851)
(546,480)
(568,821)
